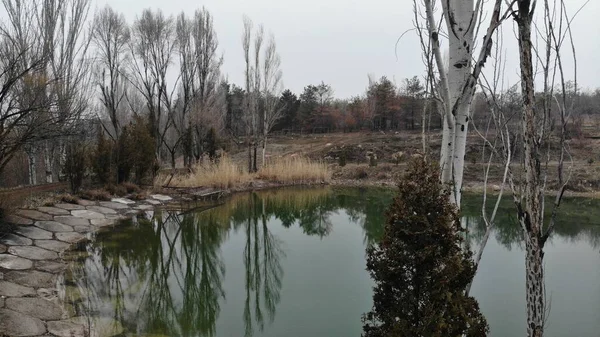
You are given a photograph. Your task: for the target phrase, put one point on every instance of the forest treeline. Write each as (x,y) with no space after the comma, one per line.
(74,81)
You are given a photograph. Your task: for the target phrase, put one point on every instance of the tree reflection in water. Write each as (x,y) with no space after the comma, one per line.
(165,275)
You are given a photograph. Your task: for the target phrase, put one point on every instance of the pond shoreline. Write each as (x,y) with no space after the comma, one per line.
(35,256)
(260,185)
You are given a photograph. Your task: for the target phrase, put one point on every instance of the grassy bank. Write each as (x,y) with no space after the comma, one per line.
(226,174)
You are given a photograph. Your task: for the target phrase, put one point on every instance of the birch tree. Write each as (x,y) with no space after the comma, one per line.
(458,80)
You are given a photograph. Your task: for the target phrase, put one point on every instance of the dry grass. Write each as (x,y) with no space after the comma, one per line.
(67,198)
(227,174)
(224,174)
(295,170)
(98,194)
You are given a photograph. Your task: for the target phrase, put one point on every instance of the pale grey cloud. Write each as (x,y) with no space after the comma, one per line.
(340,42)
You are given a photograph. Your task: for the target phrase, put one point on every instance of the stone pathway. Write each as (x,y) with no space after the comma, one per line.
(33,258)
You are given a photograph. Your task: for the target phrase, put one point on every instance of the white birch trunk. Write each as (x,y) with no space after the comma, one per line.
(49,161)
(32,167)
(461,22)
(448,121)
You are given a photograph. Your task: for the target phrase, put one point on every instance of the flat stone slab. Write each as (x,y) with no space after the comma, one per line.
(100,209)
(31,278)
(33,253)
(17,220)
(53,210)
(153,202)
(14,323)
(84,202)
(69,207)
(10,289)
(53,245)
(87,214)
(50,266)
(71,220)
(115,217)
(53,226)
(3,248)
(161,197)
(66,329)
(35,307)
(102,222)
(34,233)
(71,237)
(12,262)
(123,201)
(33,214)
(113,205)
(84,229)
(16,240)
(144,207)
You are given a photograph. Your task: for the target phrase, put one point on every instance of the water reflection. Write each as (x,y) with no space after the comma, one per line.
(170,274)
(165,274)
(578,220)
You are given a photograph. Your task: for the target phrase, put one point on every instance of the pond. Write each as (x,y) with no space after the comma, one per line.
(291,262)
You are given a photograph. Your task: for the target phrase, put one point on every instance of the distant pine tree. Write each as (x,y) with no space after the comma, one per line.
(419,268)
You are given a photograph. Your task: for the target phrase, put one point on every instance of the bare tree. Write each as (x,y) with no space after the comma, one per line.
(110,36)
(42,75)
(201,102)
(67,42)
(152,47)
(253,78)
(246,37)
(536,117)
(536,130)
(272,88)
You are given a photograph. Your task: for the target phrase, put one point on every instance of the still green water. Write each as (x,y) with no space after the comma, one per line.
(291,263)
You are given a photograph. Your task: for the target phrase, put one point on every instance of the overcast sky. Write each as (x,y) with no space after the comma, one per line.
(341,42)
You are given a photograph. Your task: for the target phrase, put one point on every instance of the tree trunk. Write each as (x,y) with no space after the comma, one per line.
(531,217)
(249,156)
(534,283)
(460,27)
(423,126)
(49,161)
(264,151)
(254,166)
(32,167)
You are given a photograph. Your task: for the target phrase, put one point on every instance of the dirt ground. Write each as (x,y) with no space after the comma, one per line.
(583,170)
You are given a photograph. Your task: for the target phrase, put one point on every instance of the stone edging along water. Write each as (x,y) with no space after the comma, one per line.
(31,264)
